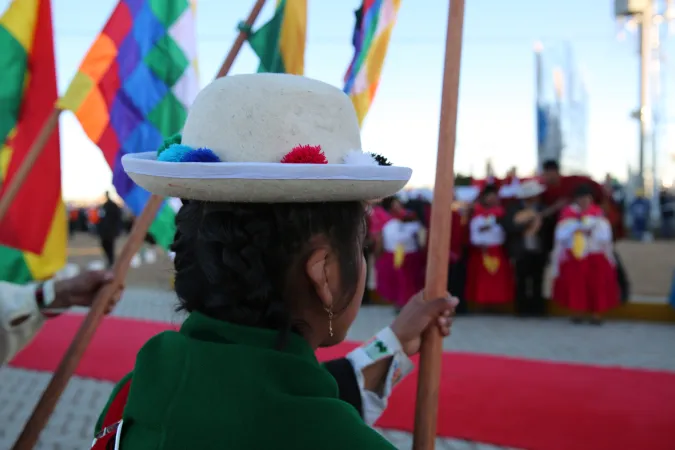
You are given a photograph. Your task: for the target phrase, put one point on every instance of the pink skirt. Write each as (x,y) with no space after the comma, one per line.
(398,285)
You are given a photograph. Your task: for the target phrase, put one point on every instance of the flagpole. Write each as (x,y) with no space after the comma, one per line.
(50,397)
(241,38)
(426,408)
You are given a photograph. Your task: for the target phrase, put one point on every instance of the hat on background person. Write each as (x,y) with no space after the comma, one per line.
(466,194)
(403,196)
(529,189)
(267,138)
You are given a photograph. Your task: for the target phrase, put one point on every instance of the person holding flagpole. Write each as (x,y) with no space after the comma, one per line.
(269,265)
(24,308)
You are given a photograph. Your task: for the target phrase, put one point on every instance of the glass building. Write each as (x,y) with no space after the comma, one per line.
(561,109)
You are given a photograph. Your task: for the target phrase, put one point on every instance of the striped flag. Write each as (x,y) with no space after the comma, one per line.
(375,21)
(280,43)
(33,233)
(134,87)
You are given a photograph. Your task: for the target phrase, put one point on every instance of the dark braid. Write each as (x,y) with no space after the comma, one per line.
(233,259)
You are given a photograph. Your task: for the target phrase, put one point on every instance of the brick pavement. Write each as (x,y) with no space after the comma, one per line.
(614,344)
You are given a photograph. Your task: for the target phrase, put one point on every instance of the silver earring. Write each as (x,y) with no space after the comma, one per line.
(330,320)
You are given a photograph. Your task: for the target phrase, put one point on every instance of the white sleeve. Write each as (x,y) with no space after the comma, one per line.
(602,231)
(475,235)
(565,230)
(385,344)
(395,233)
(410,228)
(17,302)
(391,235)
(491,237)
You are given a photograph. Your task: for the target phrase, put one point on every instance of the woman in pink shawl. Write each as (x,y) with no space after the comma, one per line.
(400,265)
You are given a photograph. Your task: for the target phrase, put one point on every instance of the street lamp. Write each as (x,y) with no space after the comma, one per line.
(648,15)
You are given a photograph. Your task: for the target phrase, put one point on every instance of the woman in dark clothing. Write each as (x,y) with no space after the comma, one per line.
(269,265)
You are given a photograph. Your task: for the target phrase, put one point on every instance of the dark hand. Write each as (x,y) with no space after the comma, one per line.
(417,315)
(81,289)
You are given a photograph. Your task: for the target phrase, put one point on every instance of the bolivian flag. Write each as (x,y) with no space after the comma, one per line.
(33,235)
(280,43)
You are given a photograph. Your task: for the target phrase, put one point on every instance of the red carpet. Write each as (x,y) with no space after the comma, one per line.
(503,401)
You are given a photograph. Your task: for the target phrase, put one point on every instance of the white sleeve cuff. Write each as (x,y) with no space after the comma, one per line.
(17,302)
(383,345)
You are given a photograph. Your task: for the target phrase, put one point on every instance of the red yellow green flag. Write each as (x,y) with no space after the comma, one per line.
(33,236)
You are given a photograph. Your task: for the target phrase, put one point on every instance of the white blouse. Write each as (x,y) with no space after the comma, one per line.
(492,236)
(396,232)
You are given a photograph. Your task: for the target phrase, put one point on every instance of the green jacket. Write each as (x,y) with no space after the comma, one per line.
(215,385)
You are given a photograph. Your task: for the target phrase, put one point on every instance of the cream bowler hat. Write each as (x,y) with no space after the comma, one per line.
(267,138)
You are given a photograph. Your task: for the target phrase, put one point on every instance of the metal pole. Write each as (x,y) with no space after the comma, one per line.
(538,98)
(645,113)
(656,121)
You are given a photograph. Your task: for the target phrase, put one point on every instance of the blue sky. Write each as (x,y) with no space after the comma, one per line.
(496,107)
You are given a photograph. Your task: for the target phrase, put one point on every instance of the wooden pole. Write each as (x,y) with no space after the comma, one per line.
(29,161)
(241,38)
(50,397)
(426,408)
(71,359)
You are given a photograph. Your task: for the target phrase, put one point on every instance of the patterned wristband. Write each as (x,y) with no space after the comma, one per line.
(383,345)
(45,294)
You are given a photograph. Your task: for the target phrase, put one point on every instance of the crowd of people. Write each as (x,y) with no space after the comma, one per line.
(108,221)
(641,216)
(269,267)
(502,242)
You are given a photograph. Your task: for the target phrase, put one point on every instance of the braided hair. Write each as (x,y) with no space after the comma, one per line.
(238,262)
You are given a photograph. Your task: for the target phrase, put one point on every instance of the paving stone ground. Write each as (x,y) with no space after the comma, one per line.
(627,344)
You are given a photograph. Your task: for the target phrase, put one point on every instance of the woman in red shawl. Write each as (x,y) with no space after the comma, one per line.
(559,192)
(490,278)
(583,261)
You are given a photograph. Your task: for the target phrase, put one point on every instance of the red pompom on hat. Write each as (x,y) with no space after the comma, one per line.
(305,154)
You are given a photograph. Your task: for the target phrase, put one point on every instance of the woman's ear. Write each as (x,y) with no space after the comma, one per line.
(317,271)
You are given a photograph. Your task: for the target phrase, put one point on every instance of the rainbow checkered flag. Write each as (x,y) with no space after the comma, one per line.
(375,21)
(134,87)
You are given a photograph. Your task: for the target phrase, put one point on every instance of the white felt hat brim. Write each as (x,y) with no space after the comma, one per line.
(264,182)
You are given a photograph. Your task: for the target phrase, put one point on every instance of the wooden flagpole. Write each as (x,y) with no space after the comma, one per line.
(426,408)
(50,397)
(241,38)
